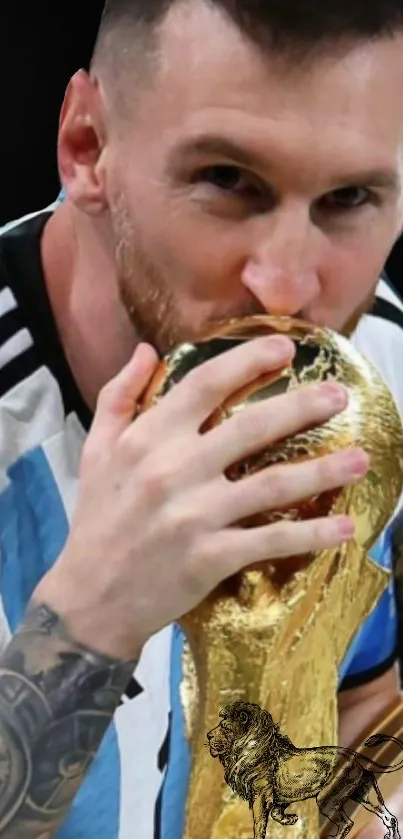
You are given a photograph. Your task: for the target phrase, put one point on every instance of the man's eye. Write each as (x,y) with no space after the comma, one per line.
(228,179)
(347,198)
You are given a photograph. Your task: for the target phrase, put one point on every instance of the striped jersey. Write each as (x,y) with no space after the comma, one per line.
(136,788)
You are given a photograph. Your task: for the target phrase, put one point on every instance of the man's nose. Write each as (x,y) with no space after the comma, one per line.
(282,273)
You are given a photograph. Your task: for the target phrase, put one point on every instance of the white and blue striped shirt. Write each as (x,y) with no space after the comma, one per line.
(136,788)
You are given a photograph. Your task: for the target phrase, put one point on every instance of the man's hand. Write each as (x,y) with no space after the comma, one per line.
(155,529)
(154,532)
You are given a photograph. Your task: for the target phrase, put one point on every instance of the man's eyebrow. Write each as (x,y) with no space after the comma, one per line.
(381,178)
(222,147)
(212,145)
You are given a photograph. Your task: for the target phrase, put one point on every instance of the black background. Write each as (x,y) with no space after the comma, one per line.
(41,45)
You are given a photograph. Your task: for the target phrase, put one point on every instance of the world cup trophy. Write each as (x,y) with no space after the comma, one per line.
(272,638)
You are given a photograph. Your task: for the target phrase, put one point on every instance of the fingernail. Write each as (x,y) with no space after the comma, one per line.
(357,463)
(336,394)
(281,346)
(345,526)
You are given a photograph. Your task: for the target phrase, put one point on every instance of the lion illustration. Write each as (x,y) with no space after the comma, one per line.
(264,768)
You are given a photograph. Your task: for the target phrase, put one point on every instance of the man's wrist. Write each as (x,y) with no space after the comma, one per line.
(89,622)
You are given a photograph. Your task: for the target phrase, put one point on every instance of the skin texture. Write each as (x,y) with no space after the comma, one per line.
(153,244)
(56,701)
(188,252)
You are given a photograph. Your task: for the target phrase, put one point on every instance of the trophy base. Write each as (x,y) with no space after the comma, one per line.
(376,788)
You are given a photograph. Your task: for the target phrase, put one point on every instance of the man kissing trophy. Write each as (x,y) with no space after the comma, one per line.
(272,639)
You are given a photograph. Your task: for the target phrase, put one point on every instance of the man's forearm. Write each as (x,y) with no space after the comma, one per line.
(57,699)
(362,707)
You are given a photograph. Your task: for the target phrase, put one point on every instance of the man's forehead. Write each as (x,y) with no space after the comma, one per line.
(200,46)
(207,26)
(208,81)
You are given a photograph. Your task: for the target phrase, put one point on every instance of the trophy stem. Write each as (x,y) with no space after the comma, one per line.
(281,655)
(242,665)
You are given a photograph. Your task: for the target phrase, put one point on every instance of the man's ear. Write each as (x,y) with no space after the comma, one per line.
(81,142)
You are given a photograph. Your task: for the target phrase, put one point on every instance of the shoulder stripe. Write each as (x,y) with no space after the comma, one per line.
(7,301)
(10,325)
(18,356)
(387,311)
(20,368)
(14,347)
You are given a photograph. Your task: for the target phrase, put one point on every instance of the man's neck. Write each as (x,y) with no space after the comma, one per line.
(95,331)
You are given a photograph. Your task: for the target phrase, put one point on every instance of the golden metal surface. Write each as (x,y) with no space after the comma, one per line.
(277,634)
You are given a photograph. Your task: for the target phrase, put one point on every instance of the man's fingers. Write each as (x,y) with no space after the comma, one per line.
(202,390)
(278,487)
(229,551)
(260,425)
(117,401)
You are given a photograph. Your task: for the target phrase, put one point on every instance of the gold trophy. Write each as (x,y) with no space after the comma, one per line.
(276,634)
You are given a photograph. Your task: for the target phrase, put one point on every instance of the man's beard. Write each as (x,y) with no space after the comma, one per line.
(149,303)
(147,291)
(145,294)
(149,298)
(351,324)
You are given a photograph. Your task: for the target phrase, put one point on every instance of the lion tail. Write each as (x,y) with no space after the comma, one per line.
(378,740)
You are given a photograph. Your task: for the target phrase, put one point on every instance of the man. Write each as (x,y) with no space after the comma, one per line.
(221,159)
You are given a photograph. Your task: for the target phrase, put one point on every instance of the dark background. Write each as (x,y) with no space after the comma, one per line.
(41,45)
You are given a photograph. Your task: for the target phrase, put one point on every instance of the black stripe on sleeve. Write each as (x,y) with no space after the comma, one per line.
(369,675)
(19,368)
(387,311)
(10,325)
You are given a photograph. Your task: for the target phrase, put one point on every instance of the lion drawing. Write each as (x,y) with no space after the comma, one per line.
(263,767)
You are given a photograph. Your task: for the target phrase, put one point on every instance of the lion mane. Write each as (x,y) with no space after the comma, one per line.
(263,767)
(249,741)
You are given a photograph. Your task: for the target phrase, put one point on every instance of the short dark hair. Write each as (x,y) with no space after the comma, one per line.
(285,26)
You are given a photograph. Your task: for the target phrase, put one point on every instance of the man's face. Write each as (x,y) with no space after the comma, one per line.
(240,184)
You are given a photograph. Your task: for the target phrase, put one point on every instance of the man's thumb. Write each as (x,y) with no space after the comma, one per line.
(117,401)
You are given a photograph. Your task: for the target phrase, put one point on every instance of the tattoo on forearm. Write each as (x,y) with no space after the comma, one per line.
(57,699)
